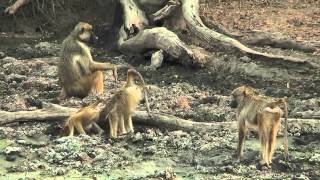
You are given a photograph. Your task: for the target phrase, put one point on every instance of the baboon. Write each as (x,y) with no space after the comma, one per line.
(84,119)
(119,109)
(262,114)
(78,74)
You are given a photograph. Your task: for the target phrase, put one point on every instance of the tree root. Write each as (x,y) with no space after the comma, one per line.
(190,10)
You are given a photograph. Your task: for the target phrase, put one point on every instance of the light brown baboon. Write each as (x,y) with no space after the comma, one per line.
(78,74)
(84,119)
(119,109)
(263,114)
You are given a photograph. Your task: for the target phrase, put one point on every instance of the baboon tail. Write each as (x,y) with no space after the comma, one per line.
(286,143)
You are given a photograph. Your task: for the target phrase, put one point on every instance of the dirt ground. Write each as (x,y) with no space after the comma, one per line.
(28,77)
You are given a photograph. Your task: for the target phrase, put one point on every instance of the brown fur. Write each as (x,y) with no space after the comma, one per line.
(263,114)
(84,119)
(119,109)
(78,74)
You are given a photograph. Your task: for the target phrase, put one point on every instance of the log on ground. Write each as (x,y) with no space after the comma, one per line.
(52,112)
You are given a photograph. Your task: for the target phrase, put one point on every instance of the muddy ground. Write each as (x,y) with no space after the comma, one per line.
(28,77)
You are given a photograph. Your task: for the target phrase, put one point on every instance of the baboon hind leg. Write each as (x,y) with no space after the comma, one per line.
(128,123)
(98,87)
(62,95)
(273,137)
(71,130)
(264,140)
(242,134)
(113,122)
(97,128)
(122,128)
(91,83)
(263,136)
(80,128)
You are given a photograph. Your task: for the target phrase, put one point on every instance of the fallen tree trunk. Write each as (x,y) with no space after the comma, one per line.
(158,38)
(52,112)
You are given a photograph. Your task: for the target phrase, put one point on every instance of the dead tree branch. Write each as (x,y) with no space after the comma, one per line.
(14,7)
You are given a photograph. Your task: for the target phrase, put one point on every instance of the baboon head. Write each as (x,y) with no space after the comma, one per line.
(83,32)
(238,95)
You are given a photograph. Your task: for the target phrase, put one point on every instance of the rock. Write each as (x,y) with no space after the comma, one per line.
(178,134)
(300,177)
(84,158)
(137,137)
(47,48)
(12,149)
(35,142)
(11,157)
(11,153)
(13,66)
(60,171)
(245,59)
(8,59)
(315,158)
(150,150)
(150,135)
(16,77)
(2,54)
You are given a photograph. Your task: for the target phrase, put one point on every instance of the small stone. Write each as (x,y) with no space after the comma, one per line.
(2,55)
(315,158)
(83,157)
(150,150)
(137,137)
(61,171)
(245,59)
(300,177)
(12,150)
(11,157)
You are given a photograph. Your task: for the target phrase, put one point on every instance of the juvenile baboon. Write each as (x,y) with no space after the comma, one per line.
(263,114)
(78,74)
(119,109)
(84,119)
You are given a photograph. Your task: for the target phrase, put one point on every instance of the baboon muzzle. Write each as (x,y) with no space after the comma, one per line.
(233,103)
(93,39)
